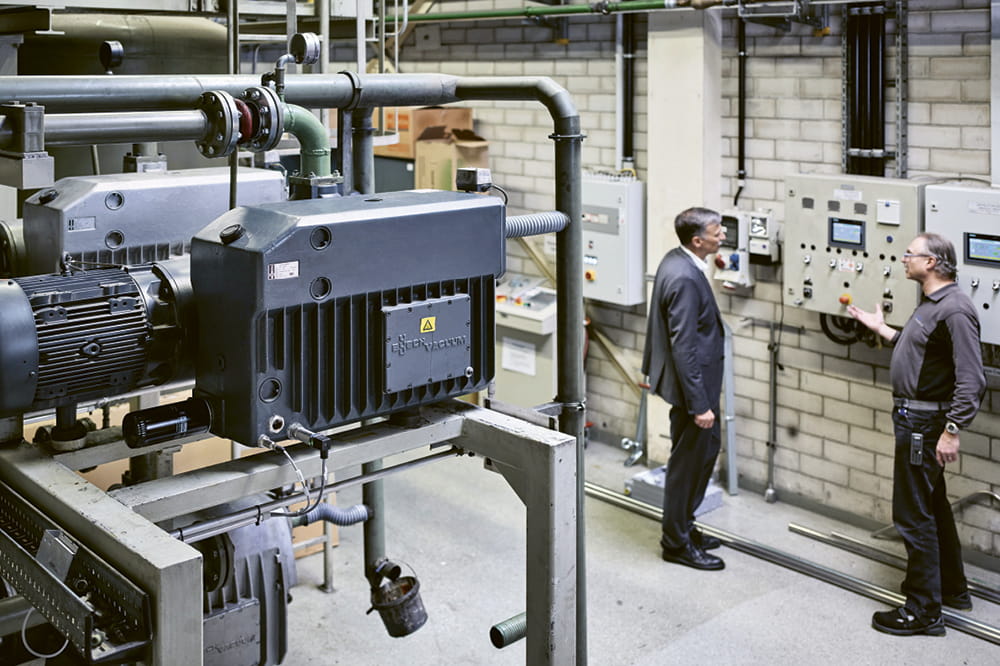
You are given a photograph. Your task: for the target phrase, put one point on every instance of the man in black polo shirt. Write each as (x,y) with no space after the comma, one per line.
(937,385)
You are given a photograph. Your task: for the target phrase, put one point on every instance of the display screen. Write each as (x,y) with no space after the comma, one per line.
(982,249)
(848,234)
(732,226)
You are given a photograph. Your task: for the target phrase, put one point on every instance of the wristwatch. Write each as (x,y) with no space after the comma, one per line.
(951,427)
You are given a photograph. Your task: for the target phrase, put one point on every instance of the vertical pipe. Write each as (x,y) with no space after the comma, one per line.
(732,478)
(323,13)
(359,36)
(741,100)
(878,89)
(233,42)
(619,91)
(628,150)
(569,326)
(345,150)
(864,88)
(373,496)
(853,85)
(770,494)
(363,149)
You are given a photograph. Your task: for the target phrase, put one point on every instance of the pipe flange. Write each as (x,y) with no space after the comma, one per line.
(223,118)
(268,118)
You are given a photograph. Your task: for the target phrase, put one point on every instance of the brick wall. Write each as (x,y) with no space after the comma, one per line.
(834,430)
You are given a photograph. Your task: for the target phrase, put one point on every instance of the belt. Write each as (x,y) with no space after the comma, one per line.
(921,405)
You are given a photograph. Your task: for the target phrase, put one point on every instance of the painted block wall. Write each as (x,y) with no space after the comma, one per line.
(834,442)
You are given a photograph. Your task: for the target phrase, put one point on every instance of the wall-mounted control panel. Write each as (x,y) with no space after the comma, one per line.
(970,218)
(844,238)
(613,234)
(732,261)
(752,237)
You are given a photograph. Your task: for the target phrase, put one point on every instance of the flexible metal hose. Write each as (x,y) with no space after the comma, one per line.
(535,223)
(336,515)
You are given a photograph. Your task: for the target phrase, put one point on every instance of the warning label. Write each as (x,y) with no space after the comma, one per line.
(428,324)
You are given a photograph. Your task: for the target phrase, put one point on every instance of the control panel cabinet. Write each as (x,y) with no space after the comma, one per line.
(844,241)
(970,218)
(613,228)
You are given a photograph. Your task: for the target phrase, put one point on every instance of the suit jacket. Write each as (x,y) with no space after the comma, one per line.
(684,336)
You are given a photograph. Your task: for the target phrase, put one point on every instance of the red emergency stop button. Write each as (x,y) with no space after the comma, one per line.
(589,275)
(719,261)
(845,299)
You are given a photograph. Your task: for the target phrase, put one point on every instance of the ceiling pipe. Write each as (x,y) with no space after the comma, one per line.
(604,7)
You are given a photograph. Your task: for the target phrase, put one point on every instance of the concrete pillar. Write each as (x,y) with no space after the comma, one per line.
(685,139)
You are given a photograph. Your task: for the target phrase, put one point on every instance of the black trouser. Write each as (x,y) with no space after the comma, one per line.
(692,458)
(922,514)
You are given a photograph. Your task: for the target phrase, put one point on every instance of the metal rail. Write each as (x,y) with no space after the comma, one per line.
(857,547)
(795,563)
(259,513)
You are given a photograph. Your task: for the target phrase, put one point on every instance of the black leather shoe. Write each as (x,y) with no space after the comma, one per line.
(900,622)
(704,541)
(694,557)
(962,602)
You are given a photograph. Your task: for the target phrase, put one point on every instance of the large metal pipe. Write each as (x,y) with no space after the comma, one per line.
(85,129)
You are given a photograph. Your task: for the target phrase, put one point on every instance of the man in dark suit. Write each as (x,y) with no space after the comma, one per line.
(683,359)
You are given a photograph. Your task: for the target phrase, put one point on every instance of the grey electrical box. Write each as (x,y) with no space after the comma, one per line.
(613,238)
(327,311)
(970,218)
(844,238)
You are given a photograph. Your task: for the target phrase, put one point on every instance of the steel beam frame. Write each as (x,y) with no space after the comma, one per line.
(539,464)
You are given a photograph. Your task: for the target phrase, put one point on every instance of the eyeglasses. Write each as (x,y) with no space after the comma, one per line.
(911,255)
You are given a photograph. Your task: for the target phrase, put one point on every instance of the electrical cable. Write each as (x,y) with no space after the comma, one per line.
(847,326)
(305,489)
(501,191)
(24,640)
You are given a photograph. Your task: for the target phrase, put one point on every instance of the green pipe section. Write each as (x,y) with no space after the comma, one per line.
(314,142)
(556,10)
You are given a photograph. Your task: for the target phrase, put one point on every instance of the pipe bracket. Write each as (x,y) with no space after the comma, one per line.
(355,89)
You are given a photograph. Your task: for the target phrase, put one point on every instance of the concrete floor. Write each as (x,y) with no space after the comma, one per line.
(462,530)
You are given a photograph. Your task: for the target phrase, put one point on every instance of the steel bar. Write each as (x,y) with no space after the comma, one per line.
(84,129)
(795,563)
(857,547)
(255,514)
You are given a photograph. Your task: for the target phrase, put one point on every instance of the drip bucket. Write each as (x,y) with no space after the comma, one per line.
(398,602)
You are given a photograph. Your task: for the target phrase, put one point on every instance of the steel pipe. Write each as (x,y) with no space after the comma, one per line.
(85,129)
(509,631)
(852,545)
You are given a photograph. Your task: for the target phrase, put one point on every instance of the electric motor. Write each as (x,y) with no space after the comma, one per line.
(92,334)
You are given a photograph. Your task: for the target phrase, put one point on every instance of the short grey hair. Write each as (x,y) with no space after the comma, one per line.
(694,222)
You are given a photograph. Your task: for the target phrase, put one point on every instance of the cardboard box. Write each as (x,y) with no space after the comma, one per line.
(440,151)
(411,122)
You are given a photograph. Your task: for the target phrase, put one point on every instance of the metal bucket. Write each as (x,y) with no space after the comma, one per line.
(398,602)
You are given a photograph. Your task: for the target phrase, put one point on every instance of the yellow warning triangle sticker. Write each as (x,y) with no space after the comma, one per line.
(428,324)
